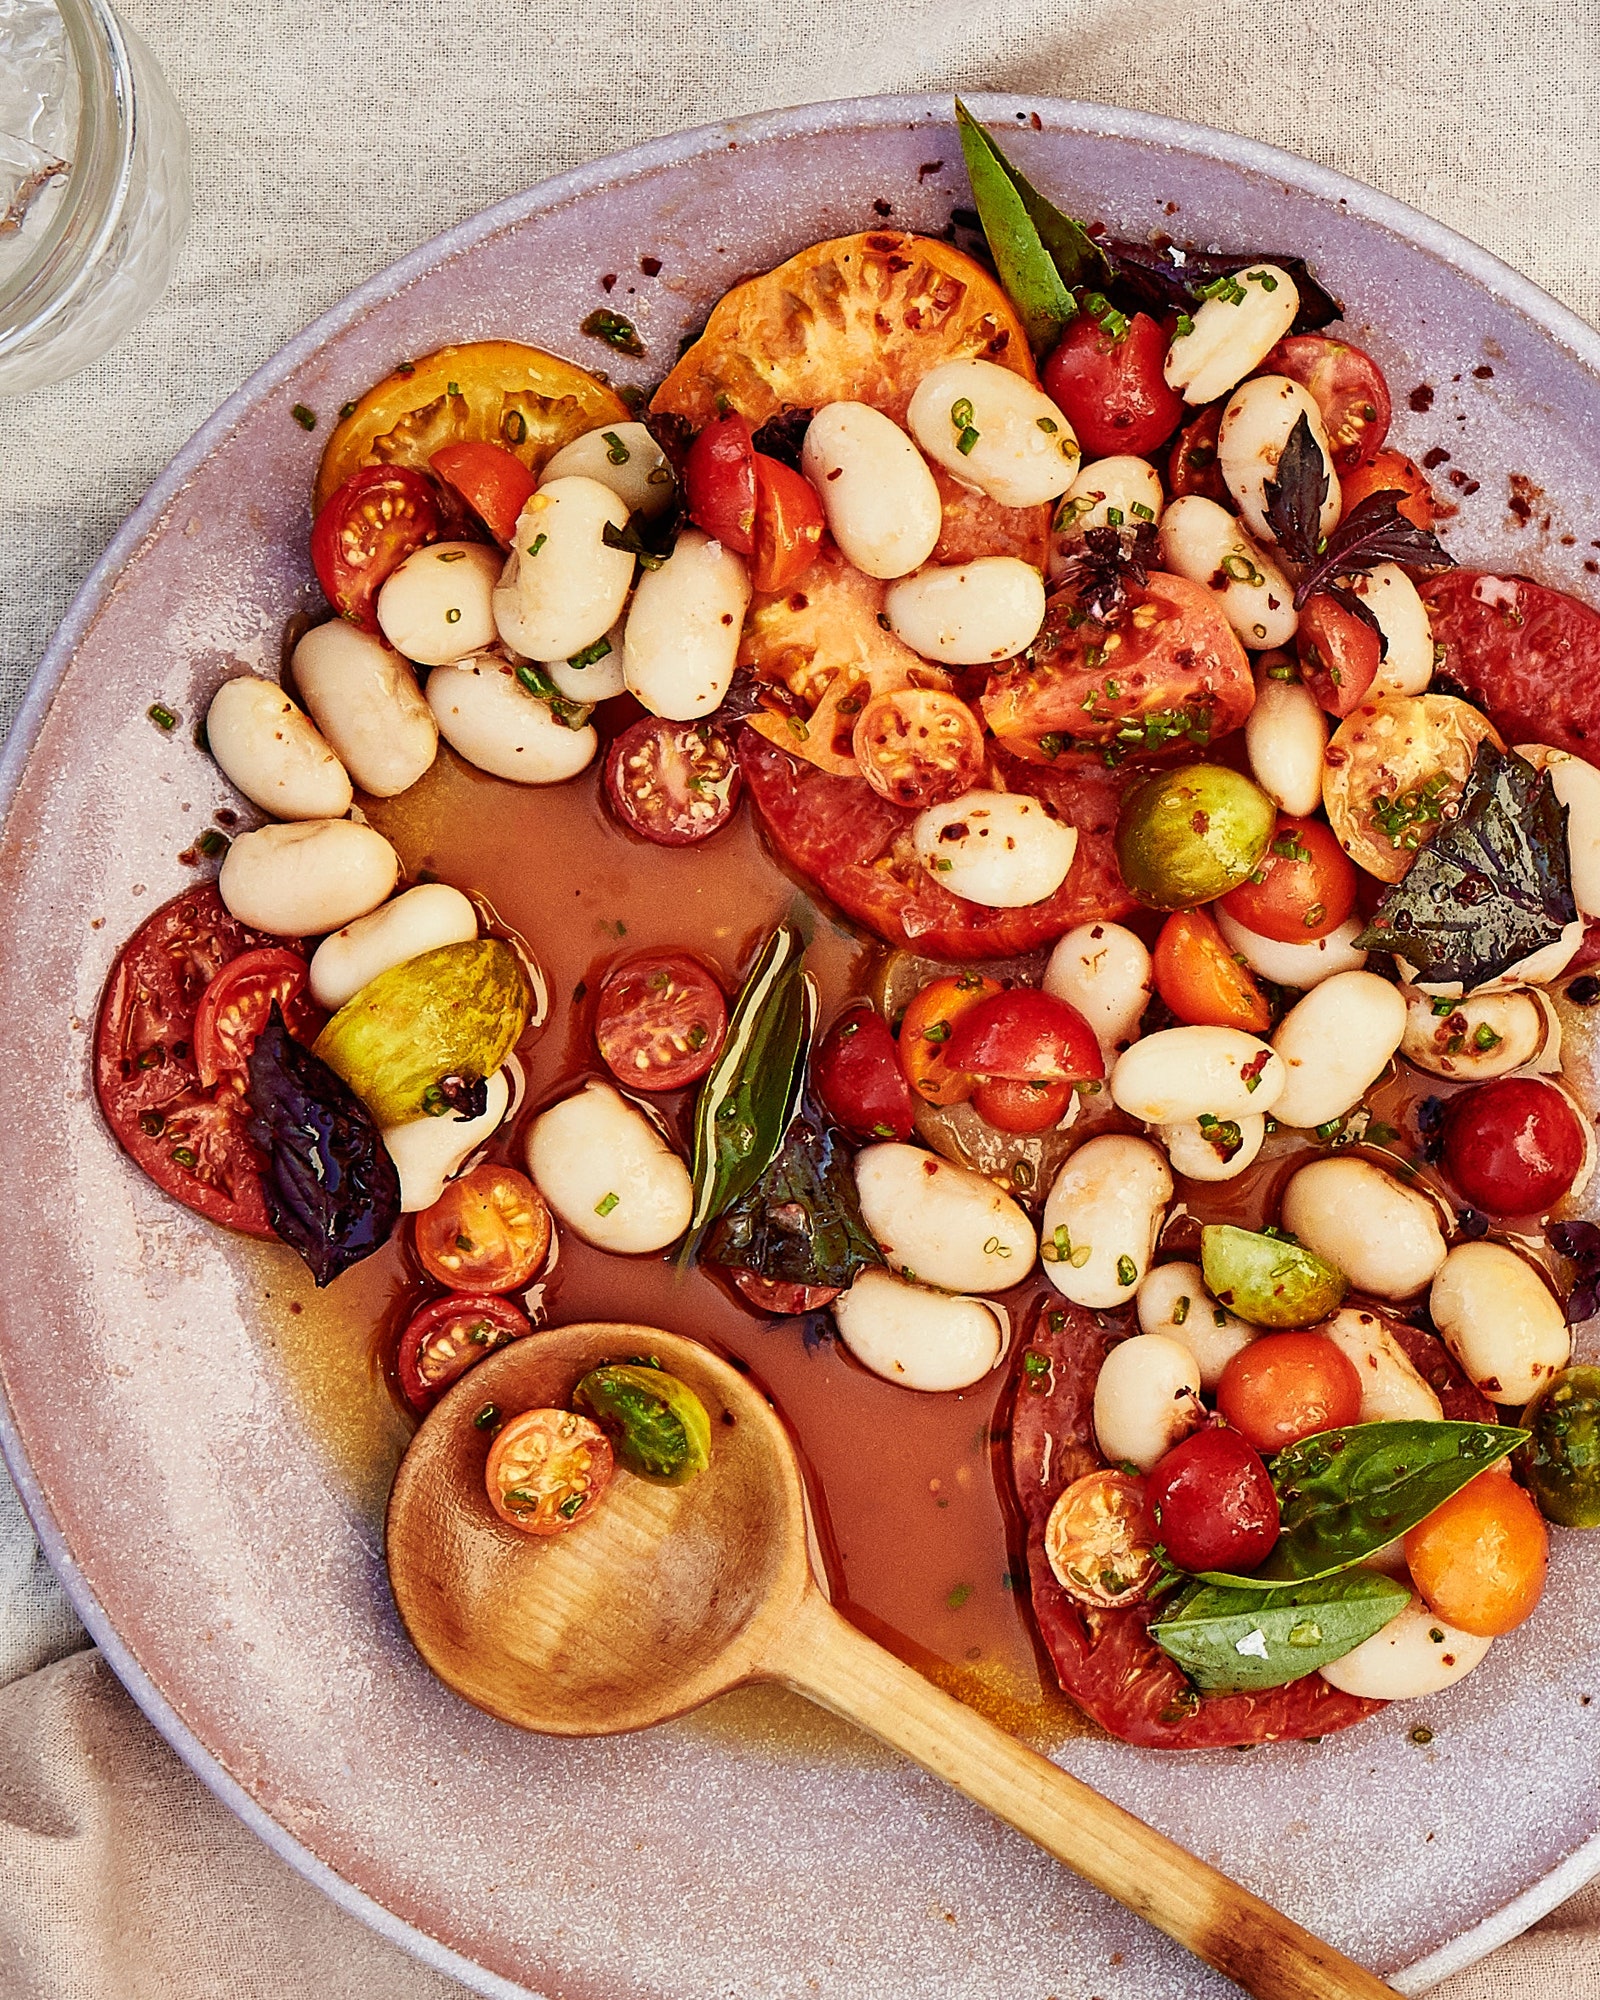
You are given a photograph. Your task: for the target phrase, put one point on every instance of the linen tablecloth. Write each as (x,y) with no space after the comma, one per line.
(329,139)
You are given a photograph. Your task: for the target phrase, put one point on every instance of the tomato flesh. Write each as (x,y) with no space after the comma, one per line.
(494,482)
(547,1469)
(1348,388)
(787,536)
(1288,1386)
(1513,1146)
(918,747)
(1100,1539)
(672,782)
(378,517)
(1390,472)
(1304,888)
(858,1077)
(925,1033)
(238,1003)
(488,1232)
(1201,980)
(1480,1559)
(1340,653)
(446,1337)
(719,483)
(1193,465)
(1528,656)
(1025,1036)
(1113,391)
(1214,1502)
(660,1021)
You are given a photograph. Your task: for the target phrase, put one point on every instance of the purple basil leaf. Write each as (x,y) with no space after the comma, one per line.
(1162,278)
(1097,575)
(1358,607)
(781,437)
(1374,531)
(1294,498)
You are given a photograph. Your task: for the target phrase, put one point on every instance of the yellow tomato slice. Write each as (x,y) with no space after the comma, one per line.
(1395,766)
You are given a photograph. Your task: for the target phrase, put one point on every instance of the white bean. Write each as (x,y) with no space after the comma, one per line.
(1391,1389)
(308,877)
(1020,449)
(1178,1073)
(1232,333)
(1577,785)
(968,614)
(1384,1237)
(1256,426)
(1500,1320)
(438,606)
(940,1224)
(1483,1035)
(486,715)
(1117,492)
(919,1338)
(422,919)
(1173,1300)
(428,1151)
(1001,849)
(608,1174)
(366,701)
(881,503)
(1209,1151)
(1102,1217)
(274,753)
(1415,1654)
(1335,1043)
(563,588)
(682,636)
(1104,971)
(1203,542)
(1392,598)
(604,675)
(624,457)
(1146,1400)
(1285,738)
(1300,966)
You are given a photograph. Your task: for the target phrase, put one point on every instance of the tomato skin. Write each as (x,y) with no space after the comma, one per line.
(1213,1502)
(1347,386)
(672,783)
(784,1301)
(660,1021)
(446,1337)
(1288,1386)
(365,531)
(789,524)
(1025,1036)
(1390,472)
(859,1079)
(1193,465)
(1339,653)
(1304,888)
(719,481)
(1011,1105)
(558,1460)
(1113,392)
(1513,1146)
(1100,1539)
(1480,1559)
(926,1030)
(917,747)
(1528,656)
(1201,980)
(488,1232)
(237,1005)
(494,482)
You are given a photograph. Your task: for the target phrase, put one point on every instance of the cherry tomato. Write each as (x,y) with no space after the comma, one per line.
(1214,1503)
(1101,1539)
(925,1032)
(1287,1386)
(1339,653)
(366,530)
(1304,888)
(672,782)
(494,482)
(788,527)
(237,1005)
(719,483)
(1513,1146)
(1112,391)
(1027,1037)
(858,1077)
(1480,1559)
(1015,1104)
(1201,980)
(660,1021)
(546,1470)
(918,747)
(1347,386)
(1390,472)
(446,1337)
(488,1232)
(1192,464)
(772,1295)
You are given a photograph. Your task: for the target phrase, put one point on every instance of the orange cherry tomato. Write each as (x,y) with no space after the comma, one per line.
(1480,1559)
(1201,980)
(1101,1539)
(917,747)
(1288,1386)
(488,1232)
(494,482)
(926,1028)
(1304,888)
(546,1470)
(1017,1104)
(1339,653)
(1390,472)
(789,525)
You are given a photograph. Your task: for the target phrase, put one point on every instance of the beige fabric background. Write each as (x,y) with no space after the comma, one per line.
(333,135)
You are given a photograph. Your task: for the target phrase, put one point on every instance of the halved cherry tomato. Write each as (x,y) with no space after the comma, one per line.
(1192,464)
(1347,386)
(1201,980)
(772,1295)
(1288,1386)
(237,1005)
(1112,390)
(1213,1502)
(1390,472)
(925,1032)
(446,1337)
(1304,888)
(546,1470)
(1025,1036)
(1480,1559)
(918,747)
(365,531)
(494,482)
(1015,1104)
(488,1232)
(1339,653)
(1101,1539)
(858,1077)
(672,782)
(788,528)
(660,1021)
(719,483)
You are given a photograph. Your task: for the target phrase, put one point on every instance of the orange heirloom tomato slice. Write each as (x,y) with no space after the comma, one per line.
(1201,980)
(927,1027)
(1390,472)
(1480,1559)
(546,1470)
(488,1232)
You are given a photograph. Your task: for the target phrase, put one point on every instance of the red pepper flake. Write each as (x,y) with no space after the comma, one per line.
(929,167)
(1483,372)
(881,207)
(1434,457)
(651,266)
(608,282)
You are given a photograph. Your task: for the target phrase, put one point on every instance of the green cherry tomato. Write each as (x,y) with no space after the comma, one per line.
(1187,836)
(1561,1461)
(1268,1280)
(657,1425)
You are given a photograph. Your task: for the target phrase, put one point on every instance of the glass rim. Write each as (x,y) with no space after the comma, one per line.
(98,180)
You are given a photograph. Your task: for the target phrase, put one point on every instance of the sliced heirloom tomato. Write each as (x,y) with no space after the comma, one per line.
(660,1021)
(488,1232)
(1340,653)
(1100,1539)
(719,483)
(365,530)
(493,482)
(1348,388)
(1304,887)
(858,1077)
(918,747)
(546,1470)
(672,782)
(926,1029)
(1390,472)
(1202,981)
(446,1337)
(237,1005)
(1111,388)
(1528,655)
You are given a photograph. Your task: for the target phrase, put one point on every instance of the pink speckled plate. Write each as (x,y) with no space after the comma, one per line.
(224,1548)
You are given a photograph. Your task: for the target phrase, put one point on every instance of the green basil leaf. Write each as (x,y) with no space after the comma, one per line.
(801,1222)
(1342,1495)
(1245,1639)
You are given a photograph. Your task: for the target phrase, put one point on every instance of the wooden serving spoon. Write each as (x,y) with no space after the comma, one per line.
(669,1595)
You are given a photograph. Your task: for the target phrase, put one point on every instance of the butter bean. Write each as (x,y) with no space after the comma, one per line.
(274,753)
(438,606)
(1335,1043)
(1177,1073)
(563,588)
(881,503)
(917,1338)
(992,429)
(1102,1217)
(968,614)
(366,702)
(1232,333)
(682,636)
(306,878)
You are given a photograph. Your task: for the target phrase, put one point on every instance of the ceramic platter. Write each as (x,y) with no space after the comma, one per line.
(207,1465)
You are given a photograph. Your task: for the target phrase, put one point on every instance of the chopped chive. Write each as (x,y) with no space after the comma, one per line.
(306,419)
(605,1205)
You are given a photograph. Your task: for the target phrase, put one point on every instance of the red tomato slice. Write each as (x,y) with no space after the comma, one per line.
(1347,386)
(1010,1104)
(494,482)
(1100,1539)
(1112,390)
(772,1295)
(672,782)
(660,1021)
(365,531)
(488,1232)
(1304,888)
(546,1470)
(1192,464)
(1528,656)
(446,1337)
(719,483)
(858,1077)
(788,527)
(1025,1036)
(237,1005)
(1339,653)
(918,747)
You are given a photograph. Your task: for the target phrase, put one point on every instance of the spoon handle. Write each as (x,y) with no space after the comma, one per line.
(824,1657)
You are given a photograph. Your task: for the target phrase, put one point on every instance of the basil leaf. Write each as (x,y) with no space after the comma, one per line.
(1343,1494)
(1493,885)
(1160,278)
(1295,495)
(1374,531)
(801,1222)
(1244,1640)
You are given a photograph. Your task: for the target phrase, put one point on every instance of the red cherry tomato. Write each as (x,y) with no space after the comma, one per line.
(772,1295)
(1304,888)
(1514,1146)
(1201,980)
(1347,386)
(1112,391)
(919,747)
(858,1077)
(365,531)
(660,1021)
(237,1005)
(446,1337)
(494,482)
(1287,1386)
(1339,653)
(547,1469)
(1390,472)
(672,782)
(1011,1104)
(719,482)
(1192,464)
(788,527)
(1214,1502)
(1027,1037)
